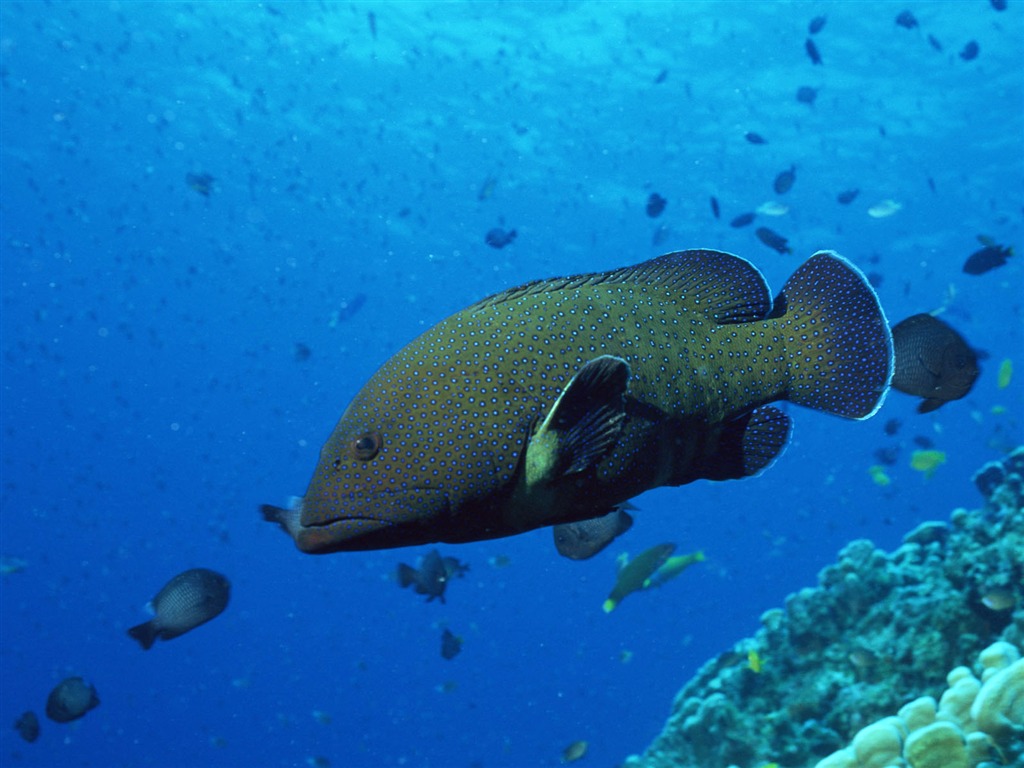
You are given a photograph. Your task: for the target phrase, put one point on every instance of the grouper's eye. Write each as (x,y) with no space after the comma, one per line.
(366,446)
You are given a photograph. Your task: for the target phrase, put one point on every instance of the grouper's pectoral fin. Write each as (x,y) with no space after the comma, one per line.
(582,425)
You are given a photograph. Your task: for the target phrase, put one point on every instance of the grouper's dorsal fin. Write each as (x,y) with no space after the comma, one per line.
(583,424)
(725,287)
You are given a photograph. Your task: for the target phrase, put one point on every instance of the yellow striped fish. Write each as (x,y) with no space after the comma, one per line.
(560,399)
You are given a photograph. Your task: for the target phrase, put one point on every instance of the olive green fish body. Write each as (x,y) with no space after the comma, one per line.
(673,567)
(636,573)
(555,401)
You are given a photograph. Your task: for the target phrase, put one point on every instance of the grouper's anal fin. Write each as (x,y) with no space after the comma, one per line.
(747,445)
(583,425)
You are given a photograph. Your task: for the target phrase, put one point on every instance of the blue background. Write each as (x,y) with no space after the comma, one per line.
(152,398)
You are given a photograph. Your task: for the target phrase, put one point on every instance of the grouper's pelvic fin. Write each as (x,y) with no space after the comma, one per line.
(839,348)
(582,425)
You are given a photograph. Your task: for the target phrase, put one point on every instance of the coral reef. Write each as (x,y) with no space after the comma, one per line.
(969,727)
(877,637)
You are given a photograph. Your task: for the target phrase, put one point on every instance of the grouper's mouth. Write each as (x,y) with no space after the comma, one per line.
(402,520)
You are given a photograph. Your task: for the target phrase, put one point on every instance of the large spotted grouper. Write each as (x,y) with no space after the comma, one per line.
(558,400)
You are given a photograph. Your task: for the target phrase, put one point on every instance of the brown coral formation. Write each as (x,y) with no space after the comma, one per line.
(974,721)
(880,630)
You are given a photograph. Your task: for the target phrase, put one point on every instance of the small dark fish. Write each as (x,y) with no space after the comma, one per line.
(662,76)
(888,456)
(634,574)
(931,184)
(812,51)
(70,700)
(27,726)
(200,182)
(655,205)
(10,564)
(988,258)
(923,441)
(190,599)
(999,5)
(907,20)
(347,309)
(892,427)
(454,567)
(755,138)
(575,751)
(743,220)
(934,42)
(784,181)
(432,577)
(486,190)
(302,352)
(773,240)
(450,644)
(933,361)
(806,95)
(875,279)
(499,238)
(970,51)
(583,539)
(848,196)
(715,209)
(817,24)
(371,17)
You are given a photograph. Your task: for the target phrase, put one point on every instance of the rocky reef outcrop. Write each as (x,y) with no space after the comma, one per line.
(883,638)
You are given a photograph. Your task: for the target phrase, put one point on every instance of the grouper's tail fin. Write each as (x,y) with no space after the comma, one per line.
(838,344)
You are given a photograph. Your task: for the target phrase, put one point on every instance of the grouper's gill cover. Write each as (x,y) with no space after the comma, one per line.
(556,401)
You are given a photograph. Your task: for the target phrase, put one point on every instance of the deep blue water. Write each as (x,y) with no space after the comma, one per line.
(152,397)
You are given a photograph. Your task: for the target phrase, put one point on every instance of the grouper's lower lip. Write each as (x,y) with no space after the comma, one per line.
(339,535)
(374,522)
(405,521)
